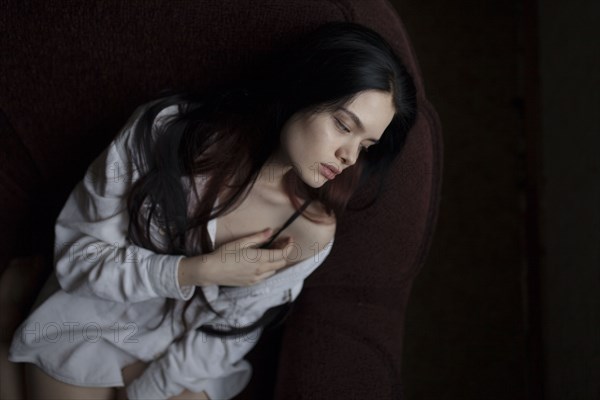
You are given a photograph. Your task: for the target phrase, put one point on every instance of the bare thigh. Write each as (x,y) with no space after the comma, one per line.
(134,370)
(42,386)
(11,376)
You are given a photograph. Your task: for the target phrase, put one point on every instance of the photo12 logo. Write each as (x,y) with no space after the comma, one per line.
(53,332)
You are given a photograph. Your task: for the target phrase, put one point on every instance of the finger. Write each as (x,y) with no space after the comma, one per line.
(286,248)
(267,274)
(256,239)
(276,265)
(281,243)
(268,256)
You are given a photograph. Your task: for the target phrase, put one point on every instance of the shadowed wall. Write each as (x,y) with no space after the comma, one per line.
(507,306)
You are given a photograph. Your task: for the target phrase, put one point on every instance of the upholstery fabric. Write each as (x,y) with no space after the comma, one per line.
(73,71)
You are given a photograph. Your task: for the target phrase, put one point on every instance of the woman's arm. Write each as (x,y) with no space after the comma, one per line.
(202,363)
(93,256)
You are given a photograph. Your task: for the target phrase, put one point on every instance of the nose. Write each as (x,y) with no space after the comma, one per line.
(347,155)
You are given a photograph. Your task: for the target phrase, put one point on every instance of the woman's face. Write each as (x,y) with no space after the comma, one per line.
(320,146)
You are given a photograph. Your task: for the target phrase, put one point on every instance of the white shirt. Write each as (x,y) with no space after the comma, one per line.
(101,309)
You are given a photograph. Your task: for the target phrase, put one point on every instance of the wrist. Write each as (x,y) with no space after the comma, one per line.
(194,271)
(184,272)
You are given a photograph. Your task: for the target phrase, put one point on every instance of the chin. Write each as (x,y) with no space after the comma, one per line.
(312,181)
(316,183)
(310,177)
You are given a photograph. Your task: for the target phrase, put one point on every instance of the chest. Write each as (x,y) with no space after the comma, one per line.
(257,212)
(260,211)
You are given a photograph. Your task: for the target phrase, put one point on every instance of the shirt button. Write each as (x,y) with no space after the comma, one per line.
(161,231)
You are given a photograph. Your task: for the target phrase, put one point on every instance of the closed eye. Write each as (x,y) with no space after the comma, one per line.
(341,126)
(344,128)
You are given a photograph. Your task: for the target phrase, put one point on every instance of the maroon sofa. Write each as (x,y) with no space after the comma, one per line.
(73,71)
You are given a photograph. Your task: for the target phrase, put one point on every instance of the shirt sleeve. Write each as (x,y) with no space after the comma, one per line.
(198,362)
(93,255)
(201,362)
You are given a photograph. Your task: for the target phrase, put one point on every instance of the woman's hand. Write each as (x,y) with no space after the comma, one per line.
(236,263)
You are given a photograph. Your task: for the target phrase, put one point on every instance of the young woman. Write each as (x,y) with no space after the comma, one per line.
(195,229)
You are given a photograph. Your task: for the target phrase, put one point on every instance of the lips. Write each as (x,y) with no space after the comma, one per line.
(333,169)
(329,171)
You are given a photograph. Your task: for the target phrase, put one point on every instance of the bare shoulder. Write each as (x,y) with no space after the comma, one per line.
(325,232)
(312,237)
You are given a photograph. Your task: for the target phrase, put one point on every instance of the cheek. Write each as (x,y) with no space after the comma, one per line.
(294,146)
(306,141)
(301,142)
(317,137)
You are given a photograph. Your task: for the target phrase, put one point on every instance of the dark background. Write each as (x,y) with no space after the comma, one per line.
(508,304)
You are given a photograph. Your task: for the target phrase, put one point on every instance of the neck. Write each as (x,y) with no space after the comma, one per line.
(271,174)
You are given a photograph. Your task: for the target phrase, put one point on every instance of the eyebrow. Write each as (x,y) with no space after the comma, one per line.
(358,122)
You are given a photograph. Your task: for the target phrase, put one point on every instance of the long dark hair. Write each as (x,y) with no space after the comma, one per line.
(227,133)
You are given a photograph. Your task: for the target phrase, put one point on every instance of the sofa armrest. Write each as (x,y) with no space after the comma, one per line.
(341,348)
